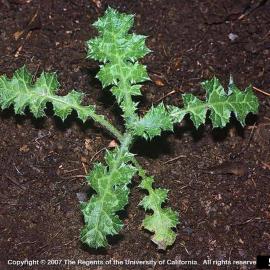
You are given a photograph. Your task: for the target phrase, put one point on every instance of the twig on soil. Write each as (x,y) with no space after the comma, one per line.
(84,167)
(252,9)
(9,203)
(18,34)
(183,245)
(39,251)
(18,51)
(73,176)
(69,171)
(69,242)
(246,222)
(230,253)
(261,91)
(35,74)
(15,182)
(253,182)
(267,34)
(266,165)
(247,145)
(23,243)
(183,187)
(174,159)
(97,3)
(18,170)
(28,29)
(168,94)
(39,137)
(98,152)
(6,3)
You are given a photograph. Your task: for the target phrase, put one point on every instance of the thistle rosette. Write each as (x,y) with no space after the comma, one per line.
(120,51)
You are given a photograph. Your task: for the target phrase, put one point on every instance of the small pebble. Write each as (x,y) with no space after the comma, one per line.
(233,37)
(81,196)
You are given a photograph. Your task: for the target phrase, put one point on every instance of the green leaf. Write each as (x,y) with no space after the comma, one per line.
(220,104)
(118,74)
(119,51)
(160,224)
(149,201)
(21,92)
(135,47)
(196,109)
(162,221)
(110,183)
(156,120)
(114,22)
(120,91)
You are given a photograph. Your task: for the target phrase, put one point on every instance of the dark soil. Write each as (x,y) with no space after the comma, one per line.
(224,215)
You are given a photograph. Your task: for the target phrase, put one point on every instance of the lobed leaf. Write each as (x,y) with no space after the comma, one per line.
(110,183)
(118,74)
(119,51)
(21,92)
(114,22)
(156,120)
(162,221)
(220,104)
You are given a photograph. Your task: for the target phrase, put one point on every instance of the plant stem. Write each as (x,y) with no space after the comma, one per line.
(141,171)
(107,125)
(96,117)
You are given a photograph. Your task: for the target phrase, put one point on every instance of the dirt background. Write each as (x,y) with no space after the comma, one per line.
(224,215)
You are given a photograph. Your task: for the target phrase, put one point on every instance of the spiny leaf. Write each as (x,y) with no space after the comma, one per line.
(120,91)
(162,220)
(220,104)
(21,92)
(196,109)
(117,74)
(119,51)
(114,22)
(110,183)
(157,119)
(114,41)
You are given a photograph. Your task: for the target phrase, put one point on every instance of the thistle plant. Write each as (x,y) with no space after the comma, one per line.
(119,52)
